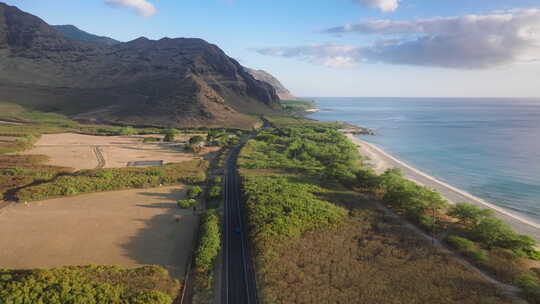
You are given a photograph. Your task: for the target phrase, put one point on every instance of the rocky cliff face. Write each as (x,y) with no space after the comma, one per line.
(283,93)
(170,82)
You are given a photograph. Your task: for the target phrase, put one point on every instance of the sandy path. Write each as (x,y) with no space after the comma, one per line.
(380,160)
(128,228)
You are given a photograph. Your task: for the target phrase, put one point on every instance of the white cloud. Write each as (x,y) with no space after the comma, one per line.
(142,7)
(329,55)
(468,42)
(383,5)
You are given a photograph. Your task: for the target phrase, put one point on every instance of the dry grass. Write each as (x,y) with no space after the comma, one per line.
(370,259)
(130,228)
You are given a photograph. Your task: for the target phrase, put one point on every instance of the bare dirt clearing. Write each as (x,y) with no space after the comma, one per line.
(128,228)
(78,151)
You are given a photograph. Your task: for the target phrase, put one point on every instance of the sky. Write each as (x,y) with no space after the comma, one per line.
(364,48)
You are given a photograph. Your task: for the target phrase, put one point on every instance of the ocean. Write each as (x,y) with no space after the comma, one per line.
(487,147)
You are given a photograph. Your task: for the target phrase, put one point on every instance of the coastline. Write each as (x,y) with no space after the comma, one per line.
(381,161)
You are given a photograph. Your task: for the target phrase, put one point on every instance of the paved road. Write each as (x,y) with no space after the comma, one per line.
(239,285)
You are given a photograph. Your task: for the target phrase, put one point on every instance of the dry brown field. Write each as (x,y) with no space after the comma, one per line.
(128,228)
(79,151)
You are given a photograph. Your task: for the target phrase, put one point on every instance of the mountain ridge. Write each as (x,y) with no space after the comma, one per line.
(281,90)
(73,32)
(168,82)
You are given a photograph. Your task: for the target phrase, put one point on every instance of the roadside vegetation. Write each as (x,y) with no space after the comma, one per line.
(320,233)
(88,284)
(209,241)
(206,255)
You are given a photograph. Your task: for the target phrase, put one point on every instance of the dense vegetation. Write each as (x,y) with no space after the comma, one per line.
(319,151)
(206,254)
(86,181)
(194,192)
(297,106)
(280,208)
(88,284)
(318,240)
(18,171)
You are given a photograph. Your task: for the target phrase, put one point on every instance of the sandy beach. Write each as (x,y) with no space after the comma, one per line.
(381,161)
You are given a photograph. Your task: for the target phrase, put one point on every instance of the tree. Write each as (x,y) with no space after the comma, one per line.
(127,131)
(212,134)
(195,140)
(170,134)
(194,192)
(492,232)
(185,204)
(469,215)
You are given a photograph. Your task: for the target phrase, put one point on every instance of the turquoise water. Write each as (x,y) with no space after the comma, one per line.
(487,147)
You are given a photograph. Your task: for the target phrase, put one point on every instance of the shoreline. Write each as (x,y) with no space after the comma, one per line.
(381,161)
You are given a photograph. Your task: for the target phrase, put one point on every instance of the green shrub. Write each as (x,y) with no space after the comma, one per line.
(151,139)
(13,172)
(155,172)
(194,192)
(527,281)
(215,192)
(467,248)
(70,191)
(468,214)
(88,284)
(109,179)
(187,203)
(170,134)
(196,140)
(127,131)
(207,249)
(217,180)
(105,174)
(196,179)
(417,202)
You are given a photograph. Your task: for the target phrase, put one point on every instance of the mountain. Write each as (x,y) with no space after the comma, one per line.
(168,82)
(72,32)
(283,93)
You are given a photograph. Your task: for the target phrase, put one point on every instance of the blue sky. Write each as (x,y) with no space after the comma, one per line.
(288,39)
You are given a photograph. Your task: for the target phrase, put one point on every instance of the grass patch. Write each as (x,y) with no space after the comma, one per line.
(97,180)
(88,284)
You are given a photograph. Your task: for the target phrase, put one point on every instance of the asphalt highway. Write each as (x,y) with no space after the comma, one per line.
(239,284)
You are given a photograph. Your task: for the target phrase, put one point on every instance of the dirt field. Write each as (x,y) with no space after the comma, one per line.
(128,228)
(79,151)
